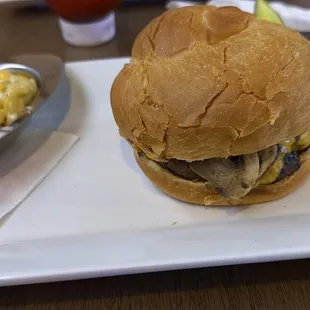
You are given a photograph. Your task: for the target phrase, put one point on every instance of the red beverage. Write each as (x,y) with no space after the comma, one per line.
(82,11)
(85,22)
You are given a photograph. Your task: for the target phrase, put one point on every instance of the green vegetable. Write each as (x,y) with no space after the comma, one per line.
(264,11)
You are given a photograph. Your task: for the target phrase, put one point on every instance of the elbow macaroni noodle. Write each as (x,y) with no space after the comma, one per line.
(16,92)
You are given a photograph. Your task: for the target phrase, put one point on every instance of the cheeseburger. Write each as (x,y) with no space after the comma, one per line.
(215,104)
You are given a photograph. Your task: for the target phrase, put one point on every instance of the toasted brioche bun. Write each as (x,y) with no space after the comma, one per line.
(204,193)
(213,82)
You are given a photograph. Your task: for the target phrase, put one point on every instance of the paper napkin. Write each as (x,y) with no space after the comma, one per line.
(27,162)
(294,17)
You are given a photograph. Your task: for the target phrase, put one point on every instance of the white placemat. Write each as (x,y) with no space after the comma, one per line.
(27,162)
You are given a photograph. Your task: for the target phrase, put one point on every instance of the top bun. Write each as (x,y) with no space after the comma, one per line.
(212,82)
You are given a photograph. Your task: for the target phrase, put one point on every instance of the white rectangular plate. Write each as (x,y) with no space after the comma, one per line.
(97,215)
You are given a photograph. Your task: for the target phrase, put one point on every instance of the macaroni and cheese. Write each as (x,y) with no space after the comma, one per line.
(16,92)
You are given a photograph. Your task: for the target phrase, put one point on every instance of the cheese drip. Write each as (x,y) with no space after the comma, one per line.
(294,145)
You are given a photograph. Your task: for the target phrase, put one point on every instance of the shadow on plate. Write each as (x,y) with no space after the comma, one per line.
(129,158)
(75,118)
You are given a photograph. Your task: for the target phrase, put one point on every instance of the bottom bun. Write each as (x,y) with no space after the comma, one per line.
(204,193)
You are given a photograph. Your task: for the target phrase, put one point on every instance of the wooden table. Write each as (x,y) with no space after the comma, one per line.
(283,285)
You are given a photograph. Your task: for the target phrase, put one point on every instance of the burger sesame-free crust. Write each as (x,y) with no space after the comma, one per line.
(212,82)
(207,82)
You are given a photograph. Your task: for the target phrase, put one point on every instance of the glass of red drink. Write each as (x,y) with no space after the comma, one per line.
(85,22)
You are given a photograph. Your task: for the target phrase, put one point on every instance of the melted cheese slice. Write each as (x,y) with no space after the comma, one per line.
(294,145)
